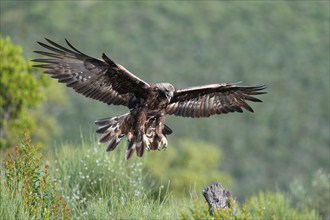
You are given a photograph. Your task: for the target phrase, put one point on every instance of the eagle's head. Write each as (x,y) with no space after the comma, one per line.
(167,89)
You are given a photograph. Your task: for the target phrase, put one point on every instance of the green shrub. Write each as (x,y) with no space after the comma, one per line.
(263,206)
(27,190)
(19,93)
(23,96)
(201,211)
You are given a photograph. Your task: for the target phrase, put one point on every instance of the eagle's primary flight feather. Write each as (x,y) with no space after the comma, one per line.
(149,103)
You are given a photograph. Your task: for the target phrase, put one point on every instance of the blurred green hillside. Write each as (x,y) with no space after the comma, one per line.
(282,44)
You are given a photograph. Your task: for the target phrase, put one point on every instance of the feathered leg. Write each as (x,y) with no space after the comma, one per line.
(160,123)
(140,133)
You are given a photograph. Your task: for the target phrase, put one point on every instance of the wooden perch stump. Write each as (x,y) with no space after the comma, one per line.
(217,197)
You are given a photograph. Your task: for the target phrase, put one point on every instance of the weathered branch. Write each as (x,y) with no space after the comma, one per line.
(217,197)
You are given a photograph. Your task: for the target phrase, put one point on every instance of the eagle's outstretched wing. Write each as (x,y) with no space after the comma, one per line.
(103,80)
(204,101)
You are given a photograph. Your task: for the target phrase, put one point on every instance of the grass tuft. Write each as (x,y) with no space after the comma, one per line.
(99,185)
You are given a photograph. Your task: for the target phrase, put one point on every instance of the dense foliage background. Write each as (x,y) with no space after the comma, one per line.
(282,44)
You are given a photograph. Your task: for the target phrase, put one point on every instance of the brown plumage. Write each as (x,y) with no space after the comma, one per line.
(144,125)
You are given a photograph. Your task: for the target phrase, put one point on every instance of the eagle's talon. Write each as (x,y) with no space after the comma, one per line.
(162,143)
(146,142)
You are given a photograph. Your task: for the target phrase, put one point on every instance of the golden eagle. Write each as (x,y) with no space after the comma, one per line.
(148,103)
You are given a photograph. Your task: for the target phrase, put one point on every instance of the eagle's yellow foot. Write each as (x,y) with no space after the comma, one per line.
(146,142)
(162,143)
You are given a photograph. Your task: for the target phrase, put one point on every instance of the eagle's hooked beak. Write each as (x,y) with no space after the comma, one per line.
(169,95)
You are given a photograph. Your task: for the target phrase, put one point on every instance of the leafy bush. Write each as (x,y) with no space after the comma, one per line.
(19,92)
(22,98)
(200,211)
(27,190)
(264,206)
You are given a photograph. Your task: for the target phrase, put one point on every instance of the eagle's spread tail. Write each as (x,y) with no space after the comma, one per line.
(111,130)
(114,129)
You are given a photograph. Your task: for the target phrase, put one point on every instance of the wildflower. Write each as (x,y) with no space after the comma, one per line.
(137,193)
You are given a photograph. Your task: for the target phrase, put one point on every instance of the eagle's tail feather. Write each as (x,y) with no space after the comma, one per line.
(167,130)
(129,153)
(140,151)
(139,146)
(110,128)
